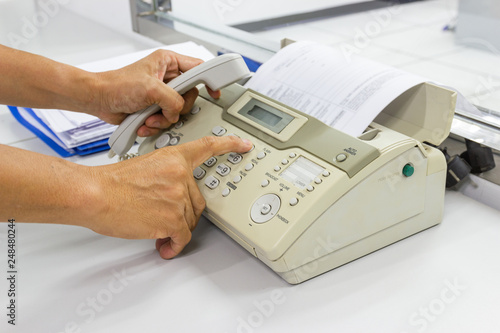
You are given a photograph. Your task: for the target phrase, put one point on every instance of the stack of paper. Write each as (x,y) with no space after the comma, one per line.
(75,129)
(70,133)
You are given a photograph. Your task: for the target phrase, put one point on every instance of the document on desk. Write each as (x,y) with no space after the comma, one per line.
(346,93)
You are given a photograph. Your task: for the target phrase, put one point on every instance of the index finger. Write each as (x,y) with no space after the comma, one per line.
(198,151)
(185,63)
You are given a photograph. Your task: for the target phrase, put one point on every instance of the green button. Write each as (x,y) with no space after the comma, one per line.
(408,170)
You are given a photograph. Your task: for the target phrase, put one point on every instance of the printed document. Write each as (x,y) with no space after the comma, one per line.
(345,93)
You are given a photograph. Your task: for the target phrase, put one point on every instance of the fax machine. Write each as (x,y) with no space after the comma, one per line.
(309,198)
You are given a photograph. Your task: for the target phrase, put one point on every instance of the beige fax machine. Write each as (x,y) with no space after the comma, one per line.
(309,198)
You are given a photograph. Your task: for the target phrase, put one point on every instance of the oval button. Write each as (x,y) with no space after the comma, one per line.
(218,130)
(163,141)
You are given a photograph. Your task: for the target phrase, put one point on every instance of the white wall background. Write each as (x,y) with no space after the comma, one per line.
(114,14)
(24,17)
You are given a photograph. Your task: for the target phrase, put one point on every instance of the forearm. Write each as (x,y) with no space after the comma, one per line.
(34,81)
(40,188)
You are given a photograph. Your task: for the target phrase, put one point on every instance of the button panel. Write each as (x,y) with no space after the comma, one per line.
(262,168)
(253,160)
(237,166)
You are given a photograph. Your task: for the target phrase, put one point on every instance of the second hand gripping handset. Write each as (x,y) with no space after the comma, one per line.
(216,73)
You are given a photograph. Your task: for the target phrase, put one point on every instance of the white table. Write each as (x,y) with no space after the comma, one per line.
(70,279)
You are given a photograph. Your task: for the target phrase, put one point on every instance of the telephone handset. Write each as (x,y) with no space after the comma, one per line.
(216,73)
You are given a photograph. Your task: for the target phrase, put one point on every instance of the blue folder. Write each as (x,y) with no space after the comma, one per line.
(36,125)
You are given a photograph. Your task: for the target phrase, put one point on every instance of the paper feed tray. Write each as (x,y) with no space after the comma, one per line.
(424,112)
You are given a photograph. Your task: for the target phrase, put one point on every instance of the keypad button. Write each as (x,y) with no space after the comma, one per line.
(341,157)
(234,158)
(223,169)
(284,161)
(292,155)
(163,140)
(249,166)
(310,188)
(277,168)
(225,192)
(237,179)
(219,131)
(175,140)
(294,201)
(179,124)
(264,183)
(261,155)
(318,180)
(199,173)
(212,182)
(210,162)
(265,209)
(195,109)
(325,173)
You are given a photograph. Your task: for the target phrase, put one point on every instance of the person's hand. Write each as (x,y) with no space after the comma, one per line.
(141,84)
(155,195)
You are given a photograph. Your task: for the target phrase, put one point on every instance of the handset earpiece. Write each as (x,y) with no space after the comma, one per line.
(216,73)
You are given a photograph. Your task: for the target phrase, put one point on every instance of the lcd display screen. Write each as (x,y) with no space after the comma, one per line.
(269,118)
(266,116)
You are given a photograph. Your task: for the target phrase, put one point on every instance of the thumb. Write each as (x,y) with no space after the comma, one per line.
(198,151)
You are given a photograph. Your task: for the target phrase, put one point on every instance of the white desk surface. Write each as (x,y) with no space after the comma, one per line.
(70,279)
(73,280)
